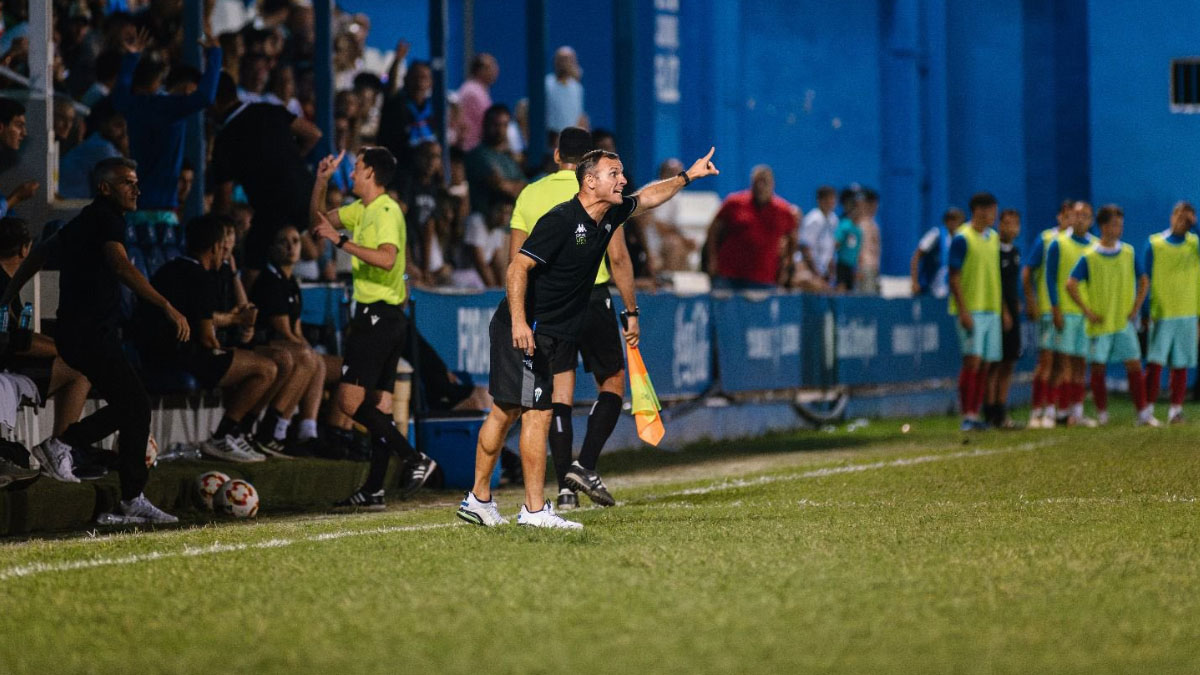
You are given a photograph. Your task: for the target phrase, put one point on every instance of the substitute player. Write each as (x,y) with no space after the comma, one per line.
(1173,265)
(599,343)
(975,297)
(1037,307)
(1072,344)
(378,332)
(534,329)
(1109,286)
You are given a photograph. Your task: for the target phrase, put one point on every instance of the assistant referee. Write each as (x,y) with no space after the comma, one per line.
(599,343)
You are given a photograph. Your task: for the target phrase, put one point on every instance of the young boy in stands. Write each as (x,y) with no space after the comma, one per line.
(975,298)
(996,408)
(276,295)
(1172,262)
(188,284)
(1109,286)
(1072,345)
(1037,307)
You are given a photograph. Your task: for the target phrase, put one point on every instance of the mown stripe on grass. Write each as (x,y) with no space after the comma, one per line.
(193,551)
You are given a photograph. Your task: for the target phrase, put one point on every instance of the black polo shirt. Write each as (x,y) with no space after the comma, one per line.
(192,290)
(89,297)
(568,247)
(275,295)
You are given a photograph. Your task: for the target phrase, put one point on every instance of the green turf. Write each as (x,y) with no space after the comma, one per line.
(1072,551)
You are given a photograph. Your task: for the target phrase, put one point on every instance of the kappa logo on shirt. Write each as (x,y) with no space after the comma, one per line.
(608,227)
(374,319)
(581,235)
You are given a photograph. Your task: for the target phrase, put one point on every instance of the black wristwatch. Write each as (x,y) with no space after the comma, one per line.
(687,180)
(342,239)
(630,312)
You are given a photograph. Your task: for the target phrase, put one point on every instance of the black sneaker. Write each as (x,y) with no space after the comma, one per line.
(419,473)
(88,466)
(272,447)
(362,500)
(567,501)
(589,483)
(14,474)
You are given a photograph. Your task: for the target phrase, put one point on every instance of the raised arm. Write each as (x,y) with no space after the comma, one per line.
(659,192)
(316,203)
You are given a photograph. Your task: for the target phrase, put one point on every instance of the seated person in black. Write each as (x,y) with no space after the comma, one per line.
(276,296)
(188,284)
(36,355)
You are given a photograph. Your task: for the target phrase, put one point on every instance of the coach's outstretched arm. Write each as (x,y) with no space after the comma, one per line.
(516,283)
(655,194)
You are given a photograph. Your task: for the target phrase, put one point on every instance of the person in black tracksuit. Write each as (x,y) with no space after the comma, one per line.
(996,404)
(94,264)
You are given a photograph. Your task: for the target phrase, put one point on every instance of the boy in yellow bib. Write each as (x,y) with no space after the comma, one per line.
(1037,306)
(1108,286)
(975,298)
(1172,261)
(1072,346)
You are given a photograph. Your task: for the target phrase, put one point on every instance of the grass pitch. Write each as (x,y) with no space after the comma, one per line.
(1070,551)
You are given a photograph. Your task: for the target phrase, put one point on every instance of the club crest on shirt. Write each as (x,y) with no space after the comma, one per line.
(581,235)
(537,394)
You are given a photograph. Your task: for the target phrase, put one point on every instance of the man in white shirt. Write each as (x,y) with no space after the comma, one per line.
(816,235)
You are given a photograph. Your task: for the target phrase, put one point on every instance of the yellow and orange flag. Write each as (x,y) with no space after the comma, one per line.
(645,405)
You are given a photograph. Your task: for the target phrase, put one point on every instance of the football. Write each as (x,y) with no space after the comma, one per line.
(207,485)
(236,498)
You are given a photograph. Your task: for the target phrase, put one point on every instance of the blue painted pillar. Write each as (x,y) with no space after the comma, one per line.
(935,152)
(323,74)
(438,41)
(727,98)
(194,150)
(535,74)
(901,212)
(629,130)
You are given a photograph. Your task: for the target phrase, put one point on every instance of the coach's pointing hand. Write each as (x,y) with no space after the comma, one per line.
(523,337)
(703,166)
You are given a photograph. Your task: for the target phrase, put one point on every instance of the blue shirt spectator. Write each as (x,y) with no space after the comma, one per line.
(157,123)
(110,139)
(564,92)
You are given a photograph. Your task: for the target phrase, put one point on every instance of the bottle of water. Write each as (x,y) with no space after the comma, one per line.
(26,316)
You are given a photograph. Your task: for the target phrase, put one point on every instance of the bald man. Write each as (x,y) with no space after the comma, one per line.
(751,234)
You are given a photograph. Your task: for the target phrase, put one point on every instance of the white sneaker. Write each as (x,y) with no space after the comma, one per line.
(480,513)
(1145,419)
(1102,418)
(1049,422)
(546,518)
(137,510)
(233,449)
(1087,422)
(1035,422)
(54,458)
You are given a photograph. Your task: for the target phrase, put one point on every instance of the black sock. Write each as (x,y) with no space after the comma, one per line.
(605,413)
(380,456)
(226,427)
(246,426)
(266,426)
(383,432)
(561,439)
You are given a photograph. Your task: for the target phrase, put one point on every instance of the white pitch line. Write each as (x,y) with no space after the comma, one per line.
(194,551)
(836,470)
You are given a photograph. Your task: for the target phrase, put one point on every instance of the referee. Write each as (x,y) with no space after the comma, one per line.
(599,343)
(534,329)
(378,332)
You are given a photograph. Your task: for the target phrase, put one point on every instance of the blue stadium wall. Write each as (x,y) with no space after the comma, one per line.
(930,100)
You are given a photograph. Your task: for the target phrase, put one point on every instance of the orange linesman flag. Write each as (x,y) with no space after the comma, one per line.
(645,404)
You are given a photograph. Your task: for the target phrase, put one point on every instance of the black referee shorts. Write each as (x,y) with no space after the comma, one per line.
(600,340)
(375,342)
(526,381)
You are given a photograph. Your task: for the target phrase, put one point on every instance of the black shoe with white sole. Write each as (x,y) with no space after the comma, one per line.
(588,482)
(566,501)
(362,500)
(419,473)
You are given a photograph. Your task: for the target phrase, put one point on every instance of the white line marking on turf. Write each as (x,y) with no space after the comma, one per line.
(194,551)
(836,470)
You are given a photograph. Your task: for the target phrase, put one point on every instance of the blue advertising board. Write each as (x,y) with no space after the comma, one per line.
(758,341)
(889,341)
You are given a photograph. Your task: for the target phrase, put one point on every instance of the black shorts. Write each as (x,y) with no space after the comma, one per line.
(375,343)
(35,368)
(1011,341)
(207,366)
(517,379)
(846,276)
(600,340)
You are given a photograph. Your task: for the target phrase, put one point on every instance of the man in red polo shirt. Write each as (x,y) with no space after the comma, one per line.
(749,237)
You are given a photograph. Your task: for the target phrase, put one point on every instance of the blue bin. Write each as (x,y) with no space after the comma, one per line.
(451,442)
